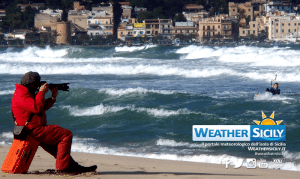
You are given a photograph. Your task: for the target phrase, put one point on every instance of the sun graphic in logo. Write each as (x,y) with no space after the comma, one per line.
(267,121)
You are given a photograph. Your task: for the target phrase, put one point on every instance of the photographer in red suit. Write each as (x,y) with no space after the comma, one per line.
(29,102)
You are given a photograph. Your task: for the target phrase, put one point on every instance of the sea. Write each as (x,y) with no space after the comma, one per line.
(142,101)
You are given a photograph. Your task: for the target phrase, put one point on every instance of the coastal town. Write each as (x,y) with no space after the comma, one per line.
(253,21)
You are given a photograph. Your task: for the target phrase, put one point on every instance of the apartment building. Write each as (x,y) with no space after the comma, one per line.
(100,26)
(284,28)
(185,28)
(252,29)
(44,21)
(139,30)
(125,6)
(80,18)
(241,10)
(125,31)
(219,26)
(278,5)
(156,27)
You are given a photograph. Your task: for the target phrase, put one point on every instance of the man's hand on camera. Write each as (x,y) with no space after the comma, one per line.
(54,93)
(44,87)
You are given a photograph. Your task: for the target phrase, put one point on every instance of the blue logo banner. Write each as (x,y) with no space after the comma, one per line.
(267,133)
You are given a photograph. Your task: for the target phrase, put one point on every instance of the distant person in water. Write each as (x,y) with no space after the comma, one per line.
(274,89)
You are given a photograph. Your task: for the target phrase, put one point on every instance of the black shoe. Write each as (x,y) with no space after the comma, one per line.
(75,170)
(83,169)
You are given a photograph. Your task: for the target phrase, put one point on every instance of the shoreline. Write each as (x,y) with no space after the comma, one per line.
(111,166)
(163,45)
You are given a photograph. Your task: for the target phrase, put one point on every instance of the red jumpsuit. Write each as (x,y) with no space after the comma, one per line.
(54,139)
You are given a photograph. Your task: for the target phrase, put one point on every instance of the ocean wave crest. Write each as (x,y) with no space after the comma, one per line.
(101,109)
(6,92)
(139,90)
(267,96)
(133,48)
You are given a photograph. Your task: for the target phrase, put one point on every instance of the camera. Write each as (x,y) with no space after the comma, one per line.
(61,86)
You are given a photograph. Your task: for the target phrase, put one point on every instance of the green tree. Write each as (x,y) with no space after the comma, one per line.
(28,18)
(117,17)
(1,38)
(179,18)
(144,15)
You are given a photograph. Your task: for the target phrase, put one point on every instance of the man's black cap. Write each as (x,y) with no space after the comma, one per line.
(30,77)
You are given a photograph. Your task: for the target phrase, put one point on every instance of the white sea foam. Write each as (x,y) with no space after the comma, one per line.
(254,56)
(101,109)
(8,135)
(139,90)
(95,110)
(133,48)
(6,92)
(267,96)
(6,138)
(161,70)
(35,54)
(48,52)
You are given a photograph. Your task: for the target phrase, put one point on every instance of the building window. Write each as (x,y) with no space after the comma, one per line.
(243,32)
(254,32)
(289,24)
(248,31)
(298,24)
(295,24)
(218,27)
(249,10)
(282,30)
(276,24)
(203,27)
(289,30)
(156,26)
(253,25)
(282,24)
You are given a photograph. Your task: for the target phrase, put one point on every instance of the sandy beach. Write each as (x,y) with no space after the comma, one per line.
(110,166)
